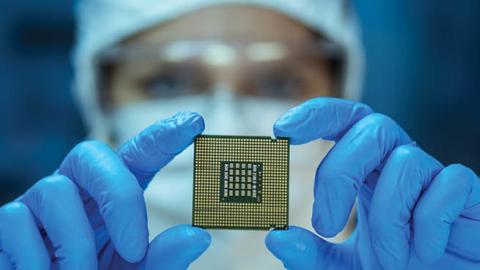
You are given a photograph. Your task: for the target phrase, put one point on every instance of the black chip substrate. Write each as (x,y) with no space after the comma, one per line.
(240,182)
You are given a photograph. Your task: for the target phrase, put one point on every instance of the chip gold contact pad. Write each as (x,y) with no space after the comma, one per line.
(240,182)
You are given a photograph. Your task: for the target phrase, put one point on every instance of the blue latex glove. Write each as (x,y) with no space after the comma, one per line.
(91,213)
(413,213)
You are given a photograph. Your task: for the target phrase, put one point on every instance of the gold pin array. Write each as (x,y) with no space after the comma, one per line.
(219,204)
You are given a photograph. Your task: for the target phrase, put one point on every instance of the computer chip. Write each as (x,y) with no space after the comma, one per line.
(240,182)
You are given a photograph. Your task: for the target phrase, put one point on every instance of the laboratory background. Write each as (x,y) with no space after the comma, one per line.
(422,69)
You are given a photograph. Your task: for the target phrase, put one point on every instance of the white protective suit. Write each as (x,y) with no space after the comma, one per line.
(104,23)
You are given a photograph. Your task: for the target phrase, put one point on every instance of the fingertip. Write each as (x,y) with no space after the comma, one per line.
(296,237)
(332,207)
(157,145)
(20,238)
(176,133)
(280,242)
(296,247)
(326,118)
(133,251)
(193,120)
(278,131)
(203,236)
(469,180)
(323,226)
(196,238)
(276,238)
(177,247)
(287,124)
(129,230)
(439,207)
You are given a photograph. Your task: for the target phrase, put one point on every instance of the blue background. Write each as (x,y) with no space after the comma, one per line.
(423,61)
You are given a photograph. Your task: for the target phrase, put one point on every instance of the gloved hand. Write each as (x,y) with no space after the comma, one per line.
(91,212)
(412,212)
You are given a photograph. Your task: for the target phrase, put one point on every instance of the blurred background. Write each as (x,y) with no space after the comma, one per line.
(423,69)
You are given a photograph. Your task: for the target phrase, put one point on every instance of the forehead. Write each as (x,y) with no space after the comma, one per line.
(227,22)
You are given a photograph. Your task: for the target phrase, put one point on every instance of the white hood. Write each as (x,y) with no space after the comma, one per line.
(104,23)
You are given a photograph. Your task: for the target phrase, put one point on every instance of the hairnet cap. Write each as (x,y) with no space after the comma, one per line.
(103,23)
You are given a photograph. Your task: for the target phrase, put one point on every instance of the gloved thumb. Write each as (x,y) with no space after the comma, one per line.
(301,249)
(176,248)
(154,147)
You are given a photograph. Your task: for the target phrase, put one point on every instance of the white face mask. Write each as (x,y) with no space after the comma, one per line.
(170,193)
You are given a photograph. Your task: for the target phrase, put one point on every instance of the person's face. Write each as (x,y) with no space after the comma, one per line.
(254,52)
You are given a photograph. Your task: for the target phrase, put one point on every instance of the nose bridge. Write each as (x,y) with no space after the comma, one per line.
(224,111)
(224,91)
(228,77)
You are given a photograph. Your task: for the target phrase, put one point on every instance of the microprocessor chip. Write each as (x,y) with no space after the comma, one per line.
(240,182)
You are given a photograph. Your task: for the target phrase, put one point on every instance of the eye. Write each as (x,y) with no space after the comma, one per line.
(286,86)
(167,85)
(172,82)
